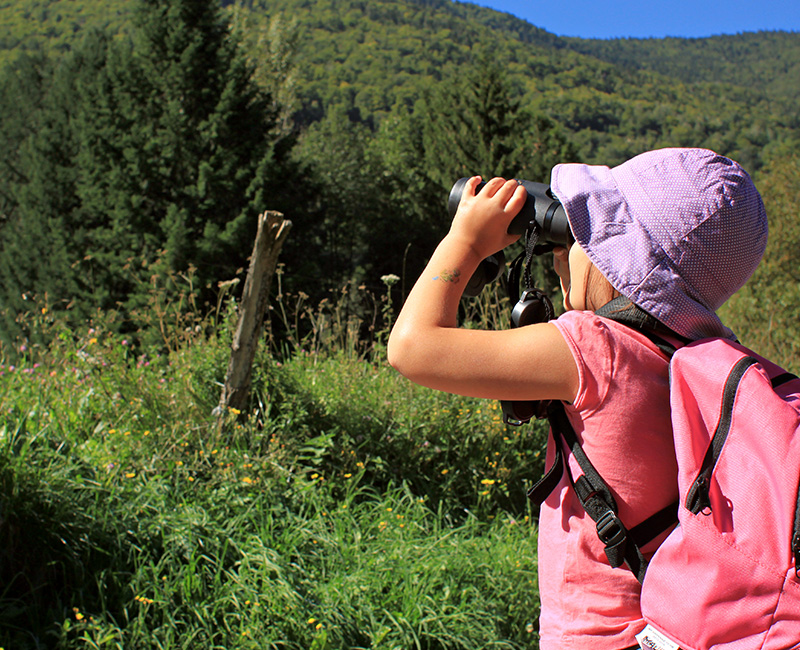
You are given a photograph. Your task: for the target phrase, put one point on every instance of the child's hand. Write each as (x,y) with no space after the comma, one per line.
(482,219)
(561,267)
(561,263)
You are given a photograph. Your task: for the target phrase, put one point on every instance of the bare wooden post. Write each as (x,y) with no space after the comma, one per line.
(272,231)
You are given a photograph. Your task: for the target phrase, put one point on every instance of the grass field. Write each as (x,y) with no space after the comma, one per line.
(346,509)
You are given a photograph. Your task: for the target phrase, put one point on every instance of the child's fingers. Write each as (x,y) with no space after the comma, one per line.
(517,199)
(493,187)
(471,185)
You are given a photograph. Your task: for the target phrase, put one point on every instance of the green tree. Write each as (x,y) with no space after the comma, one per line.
(344,193)
(20,97)
(38,246)
(160,149)
(196,153)
(271,45)
(413,216)
(471,124)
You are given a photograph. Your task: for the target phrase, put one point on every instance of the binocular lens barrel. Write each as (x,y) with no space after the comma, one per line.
(541,207)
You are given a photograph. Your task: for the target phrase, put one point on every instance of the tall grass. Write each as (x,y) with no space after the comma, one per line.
(345,509)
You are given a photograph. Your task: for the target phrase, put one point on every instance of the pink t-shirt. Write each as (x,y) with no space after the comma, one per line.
(621,417)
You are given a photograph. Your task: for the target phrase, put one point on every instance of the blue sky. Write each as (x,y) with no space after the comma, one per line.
(657,18)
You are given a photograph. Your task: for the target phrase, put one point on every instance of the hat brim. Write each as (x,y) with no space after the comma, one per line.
(607,229)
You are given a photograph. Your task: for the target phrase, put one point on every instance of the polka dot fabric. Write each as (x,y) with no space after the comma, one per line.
(678,231)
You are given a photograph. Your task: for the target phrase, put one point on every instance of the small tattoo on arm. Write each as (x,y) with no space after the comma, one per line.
(449,276)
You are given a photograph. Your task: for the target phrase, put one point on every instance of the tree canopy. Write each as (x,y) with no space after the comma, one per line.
(141,139)
(147,153)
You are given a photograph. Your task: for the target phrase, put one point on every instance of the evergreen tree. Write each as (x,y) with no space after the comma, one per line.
(188,156)
(472,124)
(20,97)
(472,127)
(345,194)
(160,149)
(477,125)
(38,248)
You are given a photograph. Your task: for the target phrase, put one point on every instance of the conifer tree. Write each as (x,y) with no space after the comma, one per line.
(471,124)
(39,242)
(155,149)
(188,153)
(477,125)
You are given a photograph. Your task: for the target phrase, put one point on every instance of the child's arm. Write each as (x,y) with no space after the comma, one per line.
(425,345)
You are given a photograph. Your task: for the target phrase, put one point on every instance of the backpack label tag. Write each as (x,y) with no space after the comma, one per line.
(651,639)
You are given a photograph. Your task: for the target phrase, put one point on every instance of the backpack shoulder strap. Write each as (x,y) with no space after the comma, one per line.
(622,310)
(622,546)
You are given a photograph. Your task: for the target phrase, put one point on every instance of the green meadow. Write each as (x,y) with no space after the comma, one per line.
(346,509)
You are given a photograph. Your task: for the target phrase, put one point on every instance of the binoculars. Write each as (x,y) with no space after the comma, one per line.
(542,210)
(542,213)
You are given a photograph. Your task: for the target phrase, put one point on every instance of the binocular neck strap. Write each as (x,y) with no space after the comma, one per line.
(522,264)
(531,239)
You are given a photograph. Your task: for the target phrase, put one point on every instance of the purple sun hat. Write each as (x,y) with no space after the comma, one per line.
(677,231)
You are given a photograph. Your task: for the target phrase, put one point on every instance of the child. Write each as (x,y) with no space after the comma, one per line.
(677,232)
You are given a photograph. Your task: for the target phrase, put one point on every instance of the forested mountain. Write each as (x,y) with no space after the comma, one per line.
(370,57)
(729,92)
(767,62)
(118,134)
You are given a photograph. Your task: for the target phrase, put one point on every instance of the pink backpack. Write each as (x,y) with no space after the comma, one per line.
(728,576)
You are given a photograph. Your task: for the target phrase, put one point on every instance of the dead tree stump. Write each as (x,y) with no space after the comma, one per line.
(272,231)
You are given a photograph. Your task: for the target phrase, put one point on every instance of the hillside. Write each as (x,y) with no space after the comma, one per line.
(766,62)
(618,96)
(370,57)
(35,25)
(366,109)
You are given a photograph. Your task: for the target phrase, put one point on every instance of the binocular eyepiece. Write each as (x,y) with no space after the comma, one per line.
(542,210)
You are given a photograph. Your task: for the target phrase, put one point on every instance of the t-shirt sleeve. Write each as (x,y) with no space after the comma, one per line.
(591,343)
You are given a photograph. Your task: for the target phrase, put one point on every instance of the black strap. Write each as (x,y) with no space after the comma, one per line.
(783,378)
(622,310)
(621,547)
(552,477)
(796,537)
(522,264)
(660,522)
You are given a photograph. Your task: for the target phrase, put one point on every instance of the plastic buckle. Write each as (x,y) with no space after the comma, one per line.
(610,529)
